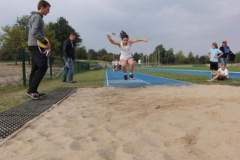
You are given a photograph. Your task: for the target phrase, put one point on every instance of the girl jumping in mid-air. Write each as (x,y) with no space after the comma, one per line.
(126,54)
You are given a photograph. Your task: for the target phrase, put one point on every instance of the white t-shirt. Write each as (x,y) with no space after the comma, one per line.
(125,51)
(213,55)
(224,72)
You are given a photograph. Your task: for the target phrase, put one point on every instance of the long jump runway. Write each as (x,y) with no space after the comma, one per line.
(115,79)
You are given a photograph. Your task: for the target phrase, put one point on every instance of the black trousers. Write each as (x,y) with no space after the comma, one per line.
(39,68)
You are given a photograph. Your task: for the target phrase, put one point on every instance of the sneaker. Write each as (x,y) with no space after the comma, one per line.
(69,82)
(125,77)
(34,96)
(131,76)
(210,80)
(41,94)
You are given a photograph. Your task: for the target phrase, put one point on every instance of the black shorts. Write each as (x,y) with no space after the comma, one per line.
(214,66)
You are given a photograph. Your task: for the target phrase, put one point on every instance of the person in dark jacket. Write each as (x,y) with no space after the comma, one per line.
(226,52)
(39,59)
(69,57)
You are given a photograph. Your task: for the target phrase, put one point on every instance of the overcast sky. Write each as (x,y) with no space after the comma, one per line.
(188,25)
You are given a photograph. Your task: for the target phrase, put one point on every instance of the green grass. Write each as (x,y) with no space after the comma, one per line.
(15,95)
(197,67)
(193,79)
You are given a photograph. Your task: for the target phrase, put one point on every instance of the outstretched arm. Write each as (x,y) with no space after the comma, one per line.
(112,41)
(138,41)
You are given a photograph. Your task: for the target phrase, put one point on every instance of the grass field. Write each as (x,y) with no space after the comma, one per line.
(13,95)
(193,79)
(198,67)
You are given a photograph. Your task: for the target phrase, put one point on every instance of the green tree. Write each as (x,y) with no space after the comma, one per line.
(197,59)
(170,57)
(237,59)
(137,56)
(92,54)
(13,40)
(61,30)
(204,59)
(50,34)
(180,58)
(81,53)
(102,54)
(159,54)
(191,59)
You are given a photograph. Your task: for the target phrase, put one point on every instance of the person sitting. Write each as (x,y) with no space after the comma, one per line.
(221,74)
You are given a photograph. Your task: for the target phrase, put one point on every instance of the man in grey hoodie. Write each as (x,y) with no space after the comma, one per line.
(39,59)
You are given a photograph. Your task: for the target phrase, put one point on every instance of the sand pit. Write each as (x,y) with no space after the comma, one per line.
(160,123)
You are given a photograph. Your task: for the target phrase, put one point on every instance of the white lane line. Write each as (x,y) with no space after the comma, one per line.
(125,81)
(107,78)
(187,70)
(173,80)
(136,81)
(144,81)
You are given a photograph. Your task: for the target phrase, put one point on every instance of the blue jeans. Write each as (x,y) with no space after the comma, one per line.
(68,70)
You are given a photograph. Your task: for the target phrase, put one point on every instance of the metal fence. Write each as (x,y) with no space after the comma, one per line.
(56,66)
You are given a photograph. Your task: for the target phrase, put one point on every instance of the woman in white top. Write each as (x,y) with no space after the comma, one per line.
(126,56)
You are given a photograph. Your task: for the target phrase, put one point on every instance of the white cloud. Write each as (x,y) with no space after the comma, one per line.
(181,24)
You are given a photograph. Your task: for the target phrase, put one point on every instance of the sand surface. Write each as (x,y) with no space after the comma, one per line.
(160,123)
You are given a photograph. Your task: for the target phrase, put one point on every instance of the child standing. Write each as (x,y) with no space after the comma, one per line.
(214,55)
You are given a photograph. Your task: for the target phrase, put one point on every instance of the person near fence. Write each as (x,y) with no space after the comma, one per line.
(69,57)
(39,59)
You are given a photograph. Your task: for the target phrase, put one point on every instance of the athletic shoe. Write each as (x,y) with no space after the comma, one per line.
(41,94)
(34,96)
(210,80)
(131,76)
(125,77)
(71,82)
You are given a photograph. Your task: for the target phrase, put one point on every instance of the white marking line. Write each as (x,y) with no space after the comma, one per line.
(188,70)
(144,81)
(184,82)
(107,78)
(127,81)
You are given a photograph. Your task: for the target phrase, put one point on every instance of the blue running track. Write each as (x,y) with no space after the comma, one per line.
(233,75)
(115,79)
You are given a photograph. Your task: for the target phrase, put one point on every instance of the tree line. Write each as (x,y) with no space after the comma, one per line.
(13,39)
(165,56)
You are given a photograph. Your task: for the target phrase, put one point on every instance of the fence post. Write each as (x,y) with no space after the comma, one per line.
(23,57)
(50,66)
